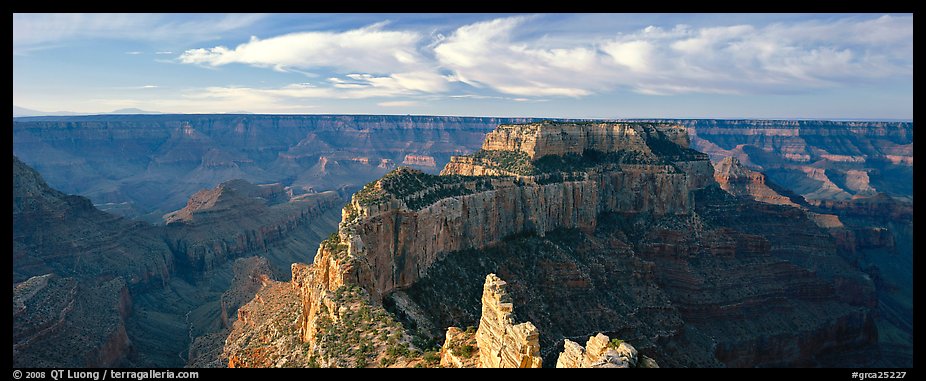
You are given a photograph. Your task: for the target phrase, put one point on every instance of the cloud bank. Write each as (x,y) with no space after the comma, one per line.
(778,58)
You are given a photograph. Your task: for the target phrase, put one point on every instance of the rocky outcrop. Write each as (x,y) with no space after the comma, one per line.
(550,138)
(400,225)
(602,352)
(501,342)
(70,322)
(66,235)
(498,342)
(230,195)
(319,319)
(238,218)
(740,181)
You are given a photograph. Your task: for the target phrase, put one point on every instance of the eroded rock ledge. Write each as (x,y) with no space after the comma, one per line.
(530,179)
(499,342)
(602,352)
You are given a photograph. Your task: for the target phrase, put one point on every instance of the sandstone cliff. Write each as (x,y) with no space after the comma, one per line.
(623,242)
(738,180)
(411,219)
(64,234)
(238,218)
(319,319)
(499,342)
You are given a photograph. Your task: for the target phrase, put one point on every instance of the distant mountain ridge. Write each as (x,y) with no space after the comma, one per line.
(22,112)
(143,166)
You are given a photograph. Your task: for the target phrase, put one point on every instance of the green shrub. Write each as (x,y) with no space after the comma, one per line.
(614,343)
(431,357)
(465,351)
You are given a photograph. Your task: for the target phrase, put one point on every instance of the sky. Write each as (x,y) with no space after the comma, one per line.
(809,66)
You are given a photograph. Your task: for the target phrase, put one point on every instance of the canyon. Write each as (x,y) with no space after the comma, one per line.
(565,212)
(636,241)
(143,166)
(94,289)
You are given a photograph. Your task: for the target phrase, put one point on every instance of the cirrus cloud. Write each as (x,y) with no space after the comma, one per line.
(369,49)
(734,59)
(493,55)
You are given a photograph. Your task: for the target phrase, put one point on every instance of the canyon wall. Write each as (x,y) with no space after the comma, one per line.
(63,234)
(146,165)
(237,218)
(399,243)
(143,166)
(819,160)
(126,293)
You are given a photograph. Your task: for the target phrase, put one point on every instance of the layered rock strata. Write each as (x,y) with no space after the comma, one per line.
(403,223)
(602,352)
(633,213)
(501,342)
(237,218)
(147,165)
(738,180)
(64,234)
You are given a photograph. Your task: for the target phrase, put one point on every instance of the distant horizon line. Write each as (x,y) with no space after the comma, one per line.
(76,115)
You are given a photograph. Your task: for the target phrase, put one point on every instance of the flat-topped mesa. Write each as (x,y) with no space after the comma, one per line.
(557,138)
(400,225)
(228,195)
(542,150)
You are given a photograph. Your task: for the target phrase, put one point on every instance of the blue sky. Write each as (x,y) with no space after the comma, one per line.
(831,66)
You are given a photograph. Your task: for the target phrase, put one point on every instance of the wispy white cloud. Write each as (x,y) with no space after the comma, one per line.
(733,59)
(134,53)
(164,52)
(372,61)
(484,54)
(369,49)
(357,86)
(376,61)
